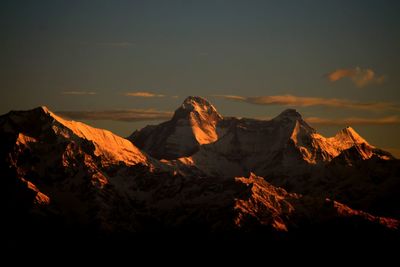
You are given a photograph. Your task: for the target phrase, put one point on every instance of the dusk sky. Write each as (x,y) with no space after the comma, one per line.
(121,65)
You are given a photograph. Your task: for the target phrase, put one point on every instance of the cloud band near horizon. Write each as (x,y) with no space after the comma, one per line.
(299,101)
(129,115)
(390,120)
(143,94)
(134,115)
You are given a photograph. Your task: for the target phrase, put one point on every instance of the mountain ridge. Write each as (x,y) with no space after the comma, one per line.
(288,152)
(66,176)
(298,130)
(115,147)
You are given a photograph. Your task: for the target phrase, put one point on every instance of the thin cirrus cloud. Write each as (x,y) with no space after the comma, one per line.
(143,94)
(360,77)
(391,120)
(129,115)
(299,101)
(78,93)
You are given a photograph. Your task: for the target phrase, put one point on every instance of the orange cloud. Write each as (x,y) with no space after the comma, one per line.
(360,77)
(340,74)
(299,101)
(354,121)
(143,94)
(118,115)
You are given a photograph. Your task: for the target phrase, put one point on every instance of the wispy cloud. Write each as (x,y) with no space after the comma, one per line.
(143,94)
(354,121)
(78,93)
(299,101)
(360,77)
(118,115)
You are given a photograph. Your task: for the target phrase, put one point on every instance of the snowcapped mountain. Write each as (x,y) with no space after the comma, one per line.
(64,168)
(197,123)
(65,180)
(276,146)
(193,124)
(109,147)
(289,153)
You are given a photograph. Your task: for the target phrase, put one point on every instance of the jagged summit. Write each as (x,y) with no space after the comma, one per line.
(45,109)
(199,106)
(286,138)
(196,100)
(60,173)
(349,135)
(193,124)
(289,114)
(42,124)
(37,110)
(350,131)
(293,121)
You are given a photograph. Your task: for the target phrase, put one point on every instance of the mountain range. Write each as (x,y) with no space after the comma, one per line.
(198,175)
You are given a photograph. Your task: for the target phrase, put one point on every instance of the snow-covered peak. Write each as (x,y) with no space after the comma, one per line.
(287,137)
(196,101)
(292,123)
(201,117)
(194,123)
(42,123)
(39,113)
(349,135)
(290,114)
(200,106)
(44,109)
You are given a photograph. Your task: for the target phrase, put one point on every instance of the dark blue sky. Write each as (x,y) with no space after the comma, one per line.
(52,52)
